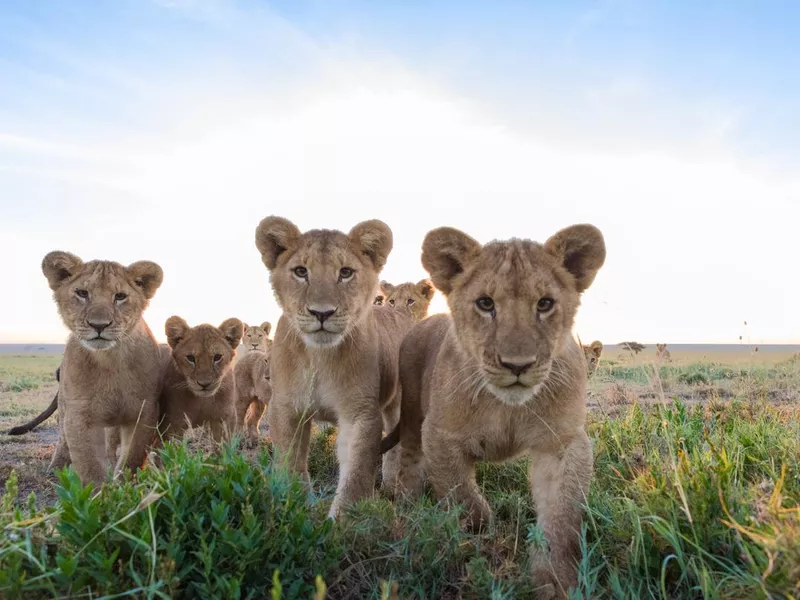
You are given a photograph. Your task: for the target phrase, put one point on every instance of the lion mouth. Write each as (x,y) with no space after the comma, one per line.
(98,343)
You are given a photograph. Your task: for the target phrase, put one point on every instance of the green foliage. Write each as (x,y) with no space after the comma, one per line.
(687,502)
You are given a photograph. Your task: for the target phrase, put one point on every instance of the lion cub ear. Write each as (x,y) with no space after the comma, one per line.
(233,331)
(387,288)
(176,329)
(445,254)
(374,240)
(425,288)
(147,276)
(597,348)
(581,251)
(267,327)
(59,266)
(274,236)
(245,326)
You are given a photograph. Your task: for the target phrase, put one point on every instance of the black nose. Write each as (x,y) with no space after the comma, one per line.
(98,326)
(204,386)
(517,369)
(321,315)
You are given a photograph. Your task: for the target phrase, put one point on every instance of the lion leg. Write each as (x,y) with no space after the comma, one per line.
(242,404)
(61,457)
(357,450)
(252,419)
(291,437)
(452,474)
(113,442)
(560,485)
(138,438)
(87,446)
(391,460)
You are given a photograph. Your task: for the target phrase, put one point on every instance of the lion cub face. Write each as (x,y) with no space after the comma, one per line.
(592,354)
(255,336)
(100,301)
(324,280)
(203,355)
(513,302)
(413,297)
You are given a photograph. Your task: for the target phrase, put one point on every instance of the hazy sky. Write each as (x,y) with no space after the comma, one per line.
(165,130)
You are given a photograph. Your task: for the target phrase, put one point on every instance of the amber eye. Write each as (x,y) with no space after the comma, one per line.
(217,358)
(545,305)
(120,296)
(301,272)
(345,273)
(82,294)
(410,301)
(485,303)
(190,359)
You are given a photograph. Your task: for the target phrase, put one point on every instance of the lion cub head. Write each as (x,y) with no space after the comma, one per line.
(413,297)
(255,336)
(100,301)
(203,355)
(592,354)
(325,281)
(513,302)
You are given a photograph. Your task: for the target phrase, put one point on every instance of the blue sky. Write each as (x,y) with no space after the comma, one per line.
(166,129)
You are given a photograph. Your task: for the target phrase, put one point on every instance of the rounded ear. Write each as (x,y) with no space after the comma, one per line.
(59,266)
(147,276)
(581,250)
(596,347)
(374,240)
(267,327)
(425,288)
(176,329)
(245,327)
(445,254)
(232,330)
(274,236)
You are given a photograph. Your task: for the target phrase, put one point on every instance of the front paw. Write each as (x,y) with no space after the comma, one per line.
(478,516)
(549,581)
(251,442)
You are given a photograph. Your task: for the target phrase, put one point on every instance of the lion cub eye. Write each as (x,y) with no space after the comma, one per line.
(545,305)
(217,358)
(120,296)
(190,359)
(486,304)
(301,272)
(346,273)
(82,294)
(410,301)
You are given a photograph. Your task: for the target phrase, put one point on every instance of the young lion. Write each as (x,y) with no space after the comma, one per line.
(255,337)
(592,354)
(198,379)
(662,354)
(110,372)
(413,297)
(335,354)
(253,393)
(500,377)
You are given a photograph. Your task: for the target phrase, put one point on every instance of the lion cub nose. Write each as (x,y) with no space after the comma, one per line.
(98,324)
(322,313)
(517,366)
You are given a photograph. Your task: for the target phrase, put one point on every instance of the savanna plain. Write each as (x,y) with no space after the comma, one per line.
(696,494)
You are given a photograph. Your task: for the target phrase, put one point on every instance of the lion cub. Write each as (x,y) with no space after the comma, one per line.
(592,353)
(110,373)
(334,354)
(501,377)
(253,393)
(412,297)
(662,354)
(256,337)
(198,378)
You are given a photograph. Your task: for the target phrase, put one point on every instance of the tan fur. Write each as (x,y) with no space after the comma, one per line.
(198,378)
(501,377)
(256,337)
(340,364)
(253,393)
(110,372)
(412,297)
(592,353)
(662,354)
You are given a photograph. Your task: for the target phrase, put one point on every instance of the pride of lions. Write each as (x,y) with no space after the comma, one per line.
(498,377)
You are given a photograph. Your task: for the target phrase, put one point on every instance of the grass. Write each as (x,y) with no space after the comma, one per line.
(689,500)
(20,372)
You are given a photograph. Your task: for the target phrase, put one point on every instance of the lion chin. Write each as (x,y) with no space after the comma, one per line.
(96,344)
(323,339)
(514,395)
